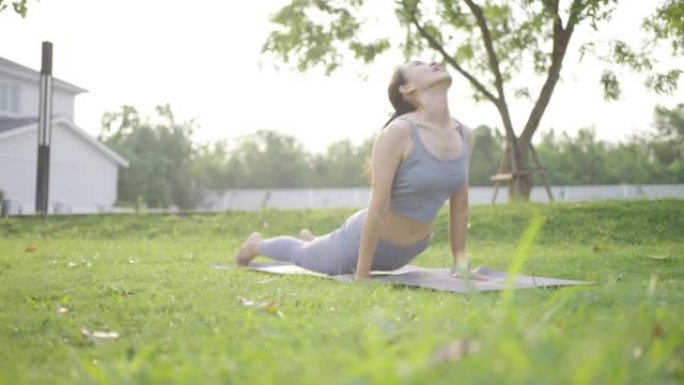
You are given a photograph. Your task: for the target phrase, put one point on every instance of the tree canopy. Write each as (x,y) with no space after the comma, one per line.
(160,152)
(18,6)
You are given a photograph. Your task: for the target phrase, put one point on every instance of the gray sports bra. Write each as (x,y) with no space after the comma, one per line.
(423,182)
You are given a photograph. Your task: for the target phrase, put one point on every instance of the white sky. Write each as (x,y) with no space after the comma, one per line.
(203,57)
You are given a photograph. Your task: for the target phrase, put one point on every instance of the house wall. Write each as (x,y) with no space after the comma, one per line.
(82,179)
(62,101)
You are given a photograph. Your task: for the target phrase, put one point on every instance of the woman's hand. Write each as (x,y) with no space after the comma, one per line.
(362,277)
(461,268)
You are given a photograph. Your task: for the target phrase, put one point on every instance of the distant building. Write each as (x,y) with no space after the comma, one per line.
(83,171)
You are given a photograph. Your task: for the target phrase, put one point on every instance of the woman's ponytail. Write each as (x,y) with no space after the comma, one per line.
(394,116)
(401,107)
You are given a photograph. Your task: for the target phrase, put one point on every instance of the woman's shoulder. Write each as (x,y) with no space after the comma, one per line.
(394,138)
(397,129)
(466,133)
(459,123)
(464,128)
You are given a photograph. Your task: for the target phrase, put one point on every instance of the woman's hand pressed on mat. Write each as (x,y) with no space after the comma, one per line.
(462,269)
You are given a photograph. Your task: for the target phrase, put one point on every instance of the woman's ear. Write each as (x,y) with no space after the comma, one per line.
(406,89)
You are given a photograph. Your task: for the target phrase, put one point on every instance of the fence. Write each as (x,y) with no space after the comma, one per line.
(257,199)
(319,198)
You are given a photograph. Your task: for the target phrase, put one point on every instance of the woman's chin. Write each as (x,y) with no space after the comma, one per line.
(443,79)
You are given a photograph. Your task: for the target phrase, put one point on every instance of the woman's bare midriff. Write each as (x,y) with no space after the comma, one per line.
(399,230)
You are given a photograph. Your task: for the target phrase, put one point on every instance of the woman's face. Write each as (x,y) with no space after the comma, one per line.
(422,75)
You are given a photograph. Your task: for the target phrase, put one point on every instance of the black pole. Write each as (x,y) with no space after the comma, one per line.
(44,130)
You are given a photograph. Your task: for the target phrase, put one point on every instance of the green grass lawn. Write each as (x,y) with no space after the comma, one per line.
(148,278)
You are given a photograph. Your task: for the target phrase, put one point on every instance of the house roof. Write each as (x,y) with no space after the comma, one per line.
(29,73)
(10,127)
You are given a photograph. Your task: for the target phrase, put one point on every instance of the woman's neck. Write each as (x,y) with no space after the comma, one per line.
(433,108)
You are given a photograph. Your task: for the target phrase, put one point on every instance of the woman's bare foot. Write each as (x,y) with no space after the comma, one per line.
(249,250)
(306,235)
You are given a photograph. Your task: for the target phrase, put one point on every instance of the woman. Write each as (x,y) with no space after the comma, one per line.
(419,160)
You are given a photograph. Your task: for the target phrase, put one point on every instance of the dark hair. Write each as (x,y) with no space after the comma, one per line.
(401,105)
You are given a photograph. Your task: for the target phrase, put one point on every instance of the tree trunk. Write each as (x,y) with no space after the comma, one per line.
(521,185)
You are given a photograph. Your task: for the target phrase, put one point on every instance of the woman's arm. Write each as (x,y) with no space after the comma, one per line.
(458,224)
(385,159)
(458,212)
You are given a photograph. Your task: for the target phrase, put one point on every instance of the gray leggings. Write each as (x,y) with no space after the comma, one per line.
(336,252)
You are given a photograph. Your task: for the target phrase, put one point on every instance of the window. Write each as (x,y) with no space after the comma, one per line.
(4,97)
(10,96)
(15,96)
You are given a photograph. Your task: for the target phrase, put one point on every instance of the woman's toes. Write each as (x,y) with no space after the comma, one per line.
(248,250)
(254,238)
(306,235)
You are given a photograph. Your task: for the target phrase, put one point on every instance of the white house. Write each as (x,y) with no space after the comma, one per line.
(83,171)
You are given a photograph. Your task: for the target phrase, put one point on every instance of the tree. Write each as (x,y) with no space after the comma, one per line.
(270,159)
(160,153)
(341,165)
(18,6)
(583,159)
(667,22)
(664,25)
(214,167)
(586,156)
(668,144)
(631,162)
(487,150)
(486,43)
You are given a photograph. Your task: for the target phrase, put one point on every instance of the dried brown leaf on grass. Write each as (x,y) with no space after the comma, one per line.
(271,308)
(99,335)
(663,257)
(268,307)
(246,302)
(62,310)
(455,350)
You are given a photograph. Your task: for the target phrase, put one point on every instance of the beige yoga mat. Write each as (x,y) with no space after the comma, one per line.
(427,278)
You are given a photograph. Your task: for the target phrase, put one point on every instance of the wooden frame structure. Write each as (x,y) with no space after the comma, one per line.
(505,174)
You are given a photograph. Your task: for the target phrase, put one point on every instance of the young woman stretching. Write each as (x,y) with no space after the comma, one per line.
(419,160)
